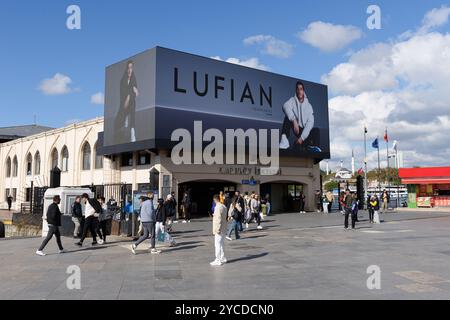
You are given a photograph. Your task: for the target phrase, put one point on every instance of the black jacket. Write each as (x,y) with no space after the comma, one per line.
(54,215)
(77,211)
(161,212)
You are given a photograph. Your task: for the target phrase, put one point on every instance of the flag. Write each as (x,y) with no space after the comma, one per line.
(360,171)
(386,136)
(394,146)
(375,144)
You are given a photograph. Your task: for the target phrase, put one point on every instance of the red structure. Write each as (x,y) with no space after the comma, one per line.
(427,187)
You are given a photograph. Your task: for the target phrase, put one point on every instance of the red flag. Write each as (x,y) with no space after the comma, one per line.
(386,136)
(360,171)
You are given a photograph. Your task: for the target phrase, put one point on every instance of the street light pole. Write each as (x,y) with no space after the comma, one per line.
(398,182)
(365,167)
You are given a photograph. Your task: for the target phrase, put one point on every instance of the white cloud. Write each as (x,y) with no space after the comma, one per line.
(402,85)
(98,98)
(57,85)
(271,45)
(251,62)
(435,18)
(329,37)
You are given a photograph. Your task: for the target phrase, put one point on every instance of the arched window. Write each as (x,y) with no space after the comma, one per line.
(8,167)
(37,163)
(15,167)
(29,164)
(98,159)
(54,158)
(87,156)
(65,159)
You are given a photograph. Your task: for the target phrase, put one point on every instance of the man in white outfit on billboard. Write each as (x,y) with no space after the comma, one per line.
(299,118)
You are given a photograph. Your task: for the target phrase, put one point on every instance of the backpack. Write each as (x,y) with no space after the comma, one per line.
(96,205)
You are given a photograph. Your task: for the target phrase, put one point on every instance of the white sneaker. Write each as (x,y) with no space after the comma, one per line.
(228,238)
(259,227)
(216,263)
(100,241)
(133,249)
(62,251)
(40,253)
(223,261)
(284,143)
(184,221)
(155,251)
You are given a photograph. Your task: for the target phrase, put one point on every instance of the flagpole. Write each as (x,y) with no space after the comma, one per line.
(365,167)
(379,170)
(387,158)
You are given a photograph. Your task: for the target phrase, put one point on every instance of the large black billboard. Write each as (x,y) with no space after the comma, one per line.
(150,95)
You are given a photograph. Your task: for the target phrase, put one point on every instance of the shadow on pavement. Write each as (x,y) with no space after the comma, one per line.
(177,248)
(249,257)
(187,231)
(254,237)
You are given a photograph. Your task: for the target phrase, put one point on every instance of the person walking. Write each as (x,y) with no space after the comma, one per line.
(219,229)
(162,212)
(234,216)
(355,205)
(375,204)
(341,202)
(148,219)
(347,202)
(385,200)
(248,210)
(77,215)
(227,201)
(330,198)
(370,208)
(302,199)
(222,197)
(171,211)
(54,222)
(255,206)
(10,201)
(318,200)
(240,201)
(91,211)
(103,219)
(268,204)
(187,206)
(325,203)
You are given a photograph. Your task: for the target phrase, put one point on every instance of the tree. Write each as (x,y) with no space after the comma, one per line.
(330,185)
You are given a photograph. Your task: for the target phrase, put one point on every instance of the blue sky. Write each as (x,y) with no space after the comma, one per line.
(36,45)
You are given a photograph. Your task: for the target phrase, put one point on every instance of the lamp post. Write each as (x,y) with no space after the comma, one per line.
(365,166)
(398,186)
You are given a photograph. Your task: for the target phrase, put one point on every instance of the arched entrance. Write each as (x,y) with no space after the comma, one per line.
(284,195)
(202,192)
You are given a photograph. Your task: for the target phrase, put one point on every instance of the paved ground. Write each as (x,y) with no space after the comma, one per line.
(294,257)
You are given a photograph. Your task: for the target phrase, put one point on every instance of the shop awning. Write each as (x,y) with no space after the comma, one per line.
(426,181)
(432,175)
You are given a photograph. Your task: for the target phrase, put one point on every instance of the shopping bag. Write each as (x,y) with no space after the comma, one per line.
(161,236)
(164,237)
(376,217)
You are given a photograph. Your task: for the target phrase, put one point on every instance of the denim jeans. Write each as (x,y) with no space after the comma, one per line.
(149,231)
(234,225)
